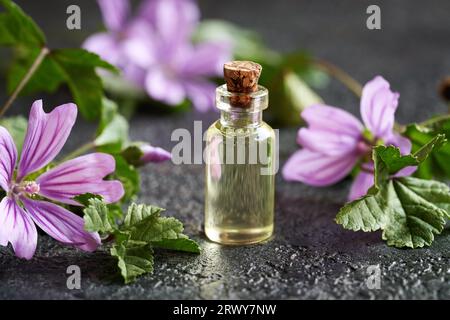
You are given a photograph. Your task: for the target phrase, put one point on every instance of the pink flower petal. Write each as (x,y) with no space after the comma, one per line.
(406,172)
(362,183)
(81,175)
(8,158)
(333,120)
(140,44)
(173,20)
(317,169)
(61,224)
(17,227)
(106,46)
(115,13)
(154,154)
(201,93)
(326,142)
(205,59)
(399,141)
(163,86)
(46,135)
(378,105)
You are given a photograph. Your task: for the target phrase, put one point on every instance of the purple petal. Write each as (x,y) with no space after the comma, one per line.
(115,13)
(326,142)
(61,224)
(406,172)
(362,183)
(81,175)
(46,135)
(399,141)
(162,86)
(17,228)
(201,93)
(317,169)
(378,105)
(333,120)
(140,45)
(154,154)
(173,20)
(206,59)
(8,158)
(106,46)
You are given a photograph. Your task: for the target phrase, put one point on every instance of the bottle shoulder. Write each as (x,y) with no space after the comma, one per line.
(262,130)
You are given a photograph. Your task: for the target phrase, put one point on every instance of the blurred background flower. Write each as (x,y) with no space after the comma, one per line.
(153,48)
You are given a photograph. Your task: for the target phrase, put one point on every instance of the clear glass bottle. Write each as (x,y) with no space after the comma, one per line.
(240,170)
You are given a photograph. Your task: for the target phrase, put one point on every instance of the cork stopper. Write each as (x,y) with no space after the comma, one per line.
(241,77)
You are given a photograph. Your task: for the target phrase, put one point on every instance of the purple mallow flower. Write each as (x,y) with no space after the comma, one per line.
(155,52)
(26,201)
(335,141)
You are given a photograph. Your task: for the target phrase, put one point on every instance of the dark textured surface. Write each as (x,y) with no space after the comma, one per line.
(310,256)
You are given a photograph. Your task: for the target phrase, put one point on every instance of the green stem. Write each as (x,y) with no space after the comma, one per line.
(434,120)
(78,152)
(37,62)
(340,75)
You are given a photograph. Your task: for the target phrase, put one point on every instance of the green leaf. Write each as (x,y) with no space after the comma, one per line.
(388,160)
(404,209)
(128,175)
(17,128)
(293,95)
(74,67)
(18,28)
(299,93)
(437,165)
(48,77)
(139,212)
(180,244)
(133,259)
(133,154)
(112,133)
(410,211)
(84,199)
(97,217)
(82,58)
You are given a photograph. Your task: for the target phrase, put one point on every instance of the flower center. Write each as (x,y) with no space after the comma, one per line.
(25,187)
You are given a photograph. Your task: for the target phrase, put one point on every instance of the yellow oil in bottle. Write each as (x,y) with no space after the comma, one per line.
(240,176)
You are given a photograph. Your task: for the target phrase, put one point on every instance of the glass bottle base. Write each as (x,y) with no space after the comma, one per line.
(239,236)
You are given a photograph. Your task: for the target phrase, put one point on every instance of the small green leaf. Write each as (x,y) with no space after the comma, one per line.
(139,212)
(84,199)
(300,94)
(18,28)
(180,244)
(388,160)
(129,176)
(112,134)
(97,217)
(133,154)
(437,165)
(157,229)
(17,128)
(133,259)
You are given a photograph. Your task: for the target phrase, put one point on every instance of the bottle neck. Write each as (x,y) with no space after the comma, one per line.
(233,118)
(239,109)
